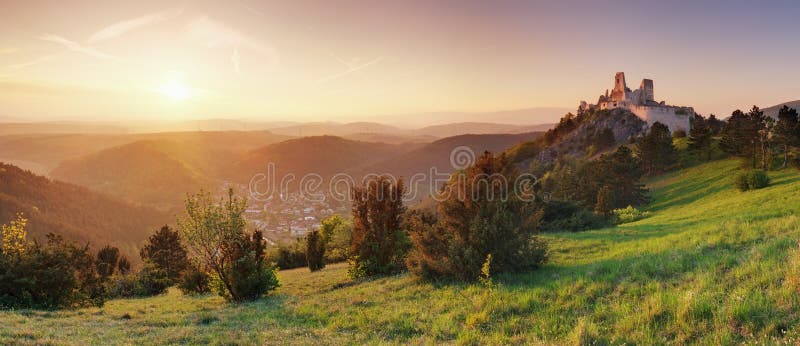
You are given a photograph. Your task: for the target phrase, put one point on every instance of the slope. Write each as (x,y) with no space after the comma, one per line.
(74,212)
(710,266)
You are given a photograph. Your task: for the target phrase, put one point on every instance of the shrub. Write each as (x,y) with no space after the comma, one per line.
(315,251)
(379,244)
(740,182)
(215,231)
(679,134)
(478,216)
(566,216)
(289,256)
(123,286)
(629,214)
(106,262)
(165,250)
(152,280)
(56,274)
(756,179)
(194,281)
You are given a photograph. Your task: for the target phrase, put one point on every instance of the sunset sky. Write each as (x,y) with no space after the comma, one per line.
(352,61)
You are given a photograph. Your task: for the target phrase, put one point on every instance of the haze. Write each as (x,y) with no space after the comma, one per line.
(357,61)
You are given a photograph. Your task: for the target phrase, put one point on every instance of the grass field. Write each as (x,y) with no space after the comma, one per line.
(710,265)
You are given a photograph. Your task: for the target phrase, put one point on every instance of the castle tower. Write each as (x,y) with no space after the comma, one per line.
(619,92)
(647,93)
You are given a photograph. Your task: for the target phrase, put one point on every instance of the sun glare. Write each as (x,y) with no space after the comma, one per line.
(175,90)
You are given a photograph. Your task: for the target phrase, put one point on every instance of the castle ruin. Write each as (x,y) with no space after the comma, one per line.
(642,103)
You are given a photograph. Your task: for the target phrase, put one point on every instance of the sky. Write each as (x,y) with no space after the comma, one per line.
(376,60)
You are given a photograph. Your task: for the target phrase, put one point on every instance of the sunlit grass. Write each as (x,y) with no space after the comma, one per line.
(709,265)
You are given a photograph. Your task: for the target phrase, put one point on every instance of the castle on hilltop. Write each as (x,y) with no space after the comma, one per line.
(642,103)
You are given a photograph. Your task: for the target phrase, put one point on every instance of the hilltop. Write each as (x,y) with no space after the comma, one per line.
(711,265)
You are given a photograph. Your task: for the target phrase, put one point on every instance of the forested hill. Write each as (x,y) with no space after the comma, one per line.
(74,212)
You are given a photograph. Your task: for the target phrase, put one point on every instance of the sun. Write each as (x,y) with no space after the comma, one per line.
(175,90)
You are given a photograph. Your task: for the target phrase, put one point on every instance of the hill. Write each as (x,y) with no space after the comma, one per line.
(75,212)
(142,171)
(479,128)
(438,153)
(773,111)
(711,265)
(43,152)
(323,155)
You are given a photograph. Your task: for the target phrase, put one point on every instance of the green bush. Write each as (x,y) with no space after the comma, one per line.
(756,179)
(740,182)
(194,281)
(289,256)
(53,275)
(629,214)
(565,216)
(152,280)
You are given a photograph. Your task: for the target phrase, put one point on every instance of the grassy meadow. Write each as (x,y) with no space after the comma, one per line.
(710,265)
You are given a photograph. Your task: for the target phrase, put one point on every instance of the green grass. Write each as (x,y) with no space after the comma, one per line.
(709,265)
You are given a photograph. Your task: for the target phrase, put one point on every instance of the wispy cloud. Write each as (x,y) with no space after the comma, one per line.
(31,62)
(123,27)
(75,47)
(235,60)
(214,34)
(351,68)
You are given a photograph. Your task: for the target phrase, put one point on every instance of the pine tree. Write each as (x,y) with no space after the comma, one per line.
(787,131)
(740,136)
(124,266)
(655,150)
(700,137)
(106,261)
(165,250)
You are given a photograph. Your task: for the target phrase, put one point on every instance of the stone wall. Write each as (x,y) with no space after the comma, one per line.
(664,114)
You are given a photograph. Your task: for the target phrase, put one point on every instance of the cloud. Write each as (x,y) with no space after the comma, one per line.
(120,28)
(214,34)
(235,60)
(351,68)
(32,62)
(75,47)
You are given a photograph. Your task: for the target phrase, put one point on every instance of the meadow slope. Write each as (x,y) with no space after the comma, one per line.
(711,265)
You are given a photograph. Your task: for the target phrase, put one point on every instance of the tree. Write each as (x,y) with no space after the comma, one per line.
(337,233)
(655,150)
(215,232)
(166,251)
(315,251)
(124,266)
(379,244)
(605,201)
(106,261)
(715,124)
(700,137)
(14,237)
(787,131)
(740,134)
(480,214)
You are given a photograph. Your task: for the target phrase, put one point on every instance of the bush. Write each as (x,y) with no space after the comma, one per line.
(629,214)
(194,281)
(289,256)
(756,179)
(53,275)
(215,231)
(740,182)
(566,216)
(152,280)
(123,286)
(315,251)
(492,219)
(379,243)
(679,134)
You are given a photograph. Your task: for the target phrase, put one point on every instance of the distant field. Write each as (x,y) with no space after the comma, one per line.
(711,265)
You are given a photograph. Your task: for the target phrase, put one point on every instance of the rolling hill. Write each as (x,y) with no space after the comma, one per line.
(710,265)
(74,212)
